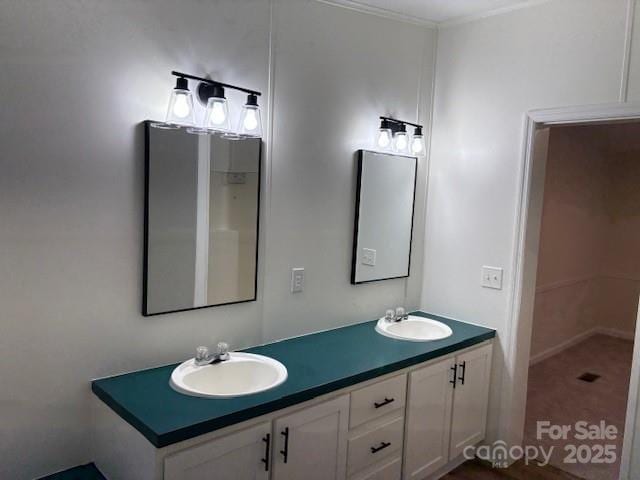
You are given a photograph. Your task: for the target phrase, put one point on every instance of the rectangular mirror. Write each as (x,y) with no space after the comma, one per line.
(201,219)
(384,216)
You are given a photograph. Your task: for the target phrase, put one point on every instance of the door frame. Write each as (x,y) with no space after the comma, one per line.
(525,259)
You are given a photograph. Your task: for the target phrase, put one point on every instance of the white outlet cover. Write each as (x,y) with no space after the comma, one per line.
(297,280)
(492,277)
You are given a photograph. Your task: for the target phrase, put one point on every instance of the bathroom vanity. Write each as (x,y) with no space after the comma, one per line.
(356,405)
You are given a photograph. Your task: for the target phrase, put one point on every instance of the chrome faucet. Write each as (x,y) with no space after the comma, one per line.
(396,315)
(203,357)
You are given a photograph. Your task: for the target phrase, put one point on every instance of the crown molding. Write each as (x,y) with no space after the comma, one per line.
(490,13)
(380,12)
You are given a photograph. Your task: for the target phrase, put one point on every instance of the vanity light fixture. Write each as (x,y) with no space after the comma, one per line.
(401,139)
(385,135)
(250,121)
(211,94)
(417,142)
(216,116)
(392,135)
(180,110)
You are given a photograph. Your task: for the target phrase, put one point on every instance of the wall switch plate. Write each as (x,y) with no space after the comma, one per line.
(368,256)
(297,280)
(491,277)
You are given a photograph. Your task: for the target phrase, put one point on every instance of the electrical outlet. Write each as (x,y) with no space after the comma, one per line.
(368,257)
(297,280)
(491,277)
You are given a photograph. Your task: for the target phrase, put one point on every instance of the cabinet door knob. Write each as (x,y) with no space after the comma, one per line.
(382,446)
(267,449)
(463,369)
(386,401)
(285,451)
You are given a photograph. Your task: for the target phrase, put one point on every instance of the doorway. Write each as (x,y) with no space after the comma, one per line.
(586,298)
(518,337)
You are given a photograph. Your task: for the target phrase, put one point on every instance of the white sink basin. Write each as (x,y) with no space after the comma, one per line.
(242,374)
(414,329)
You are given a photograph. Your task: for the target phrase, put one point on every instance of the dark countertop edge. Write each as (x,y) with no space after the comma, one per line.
(160,440)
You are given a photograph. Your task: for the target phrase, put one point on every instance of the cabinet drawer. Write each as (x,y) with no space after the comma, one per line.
(374,445)
(377,400)
(388,470)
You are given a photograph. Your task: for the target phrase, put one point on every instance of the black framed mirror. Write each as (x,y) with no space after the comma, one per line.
(385,200)
(201,222)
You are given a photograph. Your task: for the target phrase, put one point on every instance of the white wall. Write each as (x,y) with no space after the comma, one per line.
(490,72)
(335,71)
(77,78)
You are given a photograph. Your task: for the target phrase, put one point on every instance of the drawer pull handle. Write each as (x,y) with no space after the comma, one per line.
(463,369)
(382,446)
(455,375)
(387,401)
(267,449)
(285,452)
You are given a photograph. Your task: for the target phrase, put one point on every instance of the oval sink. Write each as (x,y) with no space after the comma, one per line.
(414,329)
(242,374)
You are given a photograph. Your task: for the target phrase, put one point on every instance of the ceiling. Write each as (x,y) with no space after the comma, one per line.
(439,10)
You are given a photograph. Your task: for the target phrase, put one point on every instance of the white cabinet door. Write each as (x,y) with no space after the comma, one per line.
(311,444)
(428,419)
(239,456)
(470,399)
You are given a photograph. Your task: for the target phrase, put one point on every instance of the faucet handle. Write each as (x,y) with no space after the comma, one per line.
(202,354)
(223,349)
(390,315)
(401,313)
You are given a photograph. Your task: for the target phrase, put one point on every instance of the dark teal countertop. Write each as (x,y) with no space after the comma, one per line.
(317,364)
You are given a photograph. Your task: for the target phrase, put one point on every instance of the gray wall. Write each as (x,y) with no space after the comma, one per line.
(77,78)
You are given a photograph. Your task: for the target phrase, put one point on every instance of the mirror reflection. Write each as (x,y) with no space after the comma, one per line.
(201,222)
(384,216)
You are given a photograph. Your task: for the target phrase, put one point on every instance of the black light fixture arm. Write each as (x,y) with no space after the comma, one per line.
(400,122)
(214,82)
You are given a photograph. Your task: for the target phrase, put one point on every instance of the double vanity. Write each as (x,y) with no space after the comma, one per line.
(376,400)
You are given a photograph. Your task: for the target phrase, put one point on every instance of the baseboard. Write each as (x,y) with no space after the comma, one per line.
(550,352)
(614,332)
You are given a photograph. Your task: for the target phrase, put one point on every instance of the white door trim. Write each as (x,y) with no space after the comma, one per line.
(518,332)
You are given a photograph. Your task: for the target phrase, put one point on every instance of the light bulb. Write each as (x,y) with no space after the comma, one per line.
(250,123)
(384,138)
(250,120)
(180,110)
(385,135)
(416,145)
(401,141)
(218,114)
(181,106)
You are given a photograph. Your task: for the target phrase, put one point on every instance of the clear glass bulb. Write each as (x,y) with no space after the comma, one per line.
(250,121)
(180,110)
(181,106)
(417,145)
(401,141)
(216,117)
(384,138)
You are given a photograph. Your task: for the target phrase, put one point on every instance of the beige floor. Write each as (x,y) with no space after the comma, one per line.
(555,394)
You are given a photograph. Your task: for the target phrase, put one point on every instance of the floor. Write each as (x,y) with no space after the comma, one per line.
(557,395)
(477,470)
